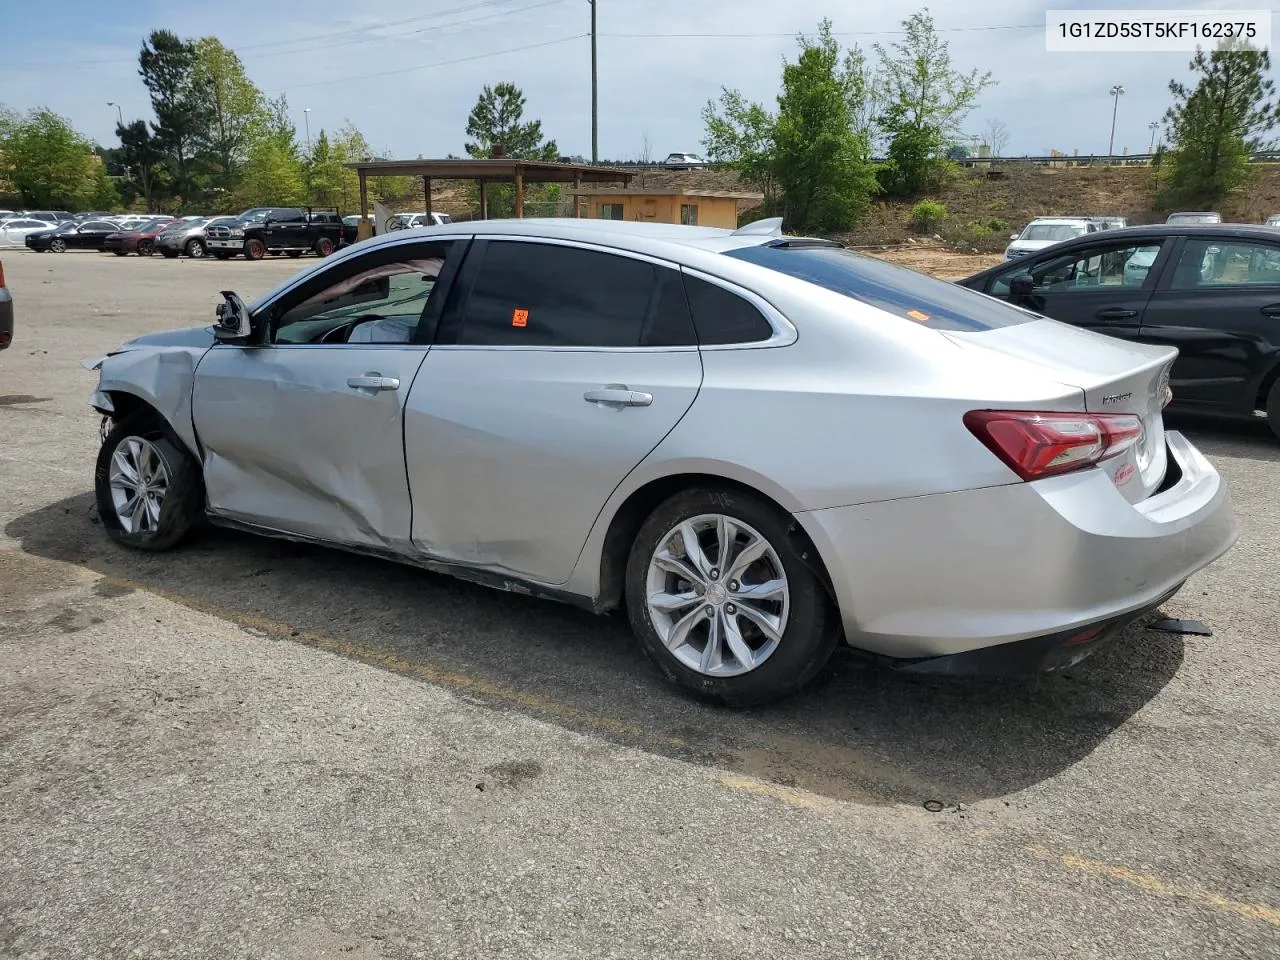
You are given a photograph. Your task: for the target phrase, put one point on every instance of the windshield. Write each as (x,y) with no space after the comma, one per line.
(1194,218)
(1052,231)
(256,216)
(904,293)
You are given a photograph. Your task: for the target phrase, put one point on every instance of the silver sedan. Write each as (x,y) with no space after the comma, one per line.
(759,446)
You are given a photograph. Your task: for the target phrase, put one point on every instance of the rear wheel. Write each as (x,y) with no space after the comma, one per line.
(324,247)
(149,489)
(194,248)
(1273,409)
(722,598)
(254,250)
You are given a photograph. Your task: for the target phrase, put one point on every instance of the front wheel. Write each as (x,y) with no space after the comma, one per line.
(146,248)
(324,247)
(58,245)
(254,249)
(149,490)
(722,597)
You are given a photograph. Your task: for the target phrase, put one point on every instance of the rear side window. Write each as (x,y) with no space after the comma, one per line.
(721,316)
(904,293)
(547,295)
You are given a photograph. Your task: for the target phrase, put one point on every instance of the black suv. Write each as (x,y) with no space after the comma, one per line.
(289,230)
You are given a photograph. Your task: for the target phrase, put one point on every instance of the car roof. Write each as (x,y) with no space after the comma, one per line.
(1070,221)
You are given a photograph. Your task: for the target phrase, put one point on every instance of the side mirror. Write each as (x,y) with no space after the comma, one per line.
(1013,236)
(233,318)
(1021,286)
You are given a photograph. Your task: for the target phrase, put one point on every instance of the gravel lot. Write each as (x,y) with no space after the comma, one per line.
(259,749)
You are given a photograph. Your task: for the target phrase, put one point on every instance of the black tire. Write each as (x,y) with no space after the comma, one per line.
(254,249)
(146,248)
(324,247)
(811,631)
(194,248)
(222,255)
(168,254)
(1273,409)
(184,498)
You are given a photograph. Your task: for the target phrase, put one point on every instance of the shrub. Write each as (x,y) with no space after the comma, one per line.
(927,214)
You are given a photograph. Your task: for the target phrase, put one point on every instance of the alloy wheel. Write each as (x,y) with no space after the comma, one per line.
(195,249)
(717,595)
(139,481)
(58,245)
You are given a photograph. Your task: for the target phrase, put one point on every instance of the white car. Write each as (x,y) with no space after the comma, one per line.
(13,232)
(1044,231)
(403,221)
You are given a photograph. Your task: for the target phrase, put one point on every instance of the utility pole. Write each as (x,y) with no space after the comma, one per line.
(1116,93)
(1154,125)
(119,113)
(306,119)
(595,103)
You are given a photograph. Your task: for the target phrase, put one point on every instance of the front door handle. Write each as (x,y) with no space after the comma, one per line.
(1116,313)
(619,394)
(1272,310)
(371,381)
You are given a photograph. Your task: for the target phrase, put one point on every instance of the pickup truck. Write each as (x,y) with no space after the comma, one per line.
(289,230)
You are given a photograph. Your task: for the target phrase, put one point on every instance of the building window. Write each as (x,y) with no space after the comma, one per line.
(610,211)
(689,214)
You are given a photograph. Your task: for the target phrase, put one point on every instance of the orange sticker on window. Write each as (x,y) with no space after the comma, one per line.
(917,316)
(519,318)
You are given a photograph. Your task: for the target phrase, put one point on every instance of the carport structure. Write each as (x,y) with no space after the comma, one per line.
(484,172)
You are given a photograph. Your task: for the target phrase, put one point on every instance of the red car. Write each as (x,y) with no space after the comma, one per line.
(141,241)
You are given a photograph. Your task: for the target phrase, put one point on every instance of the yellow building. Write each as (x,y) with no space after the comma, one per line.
(704,208)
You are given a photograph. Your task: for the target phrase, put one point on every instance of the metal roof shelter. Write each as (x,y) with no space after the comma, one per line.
(483,172)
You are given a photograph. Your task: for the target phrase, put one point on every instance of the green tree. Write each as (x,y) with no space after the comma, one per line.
(142,158)
(822,165)
(102,193)
(926,100)
(46,161)
(1215,124)
(272,175)
(812,159)
(332,183)
(495,127)
(236,111)
(167,65)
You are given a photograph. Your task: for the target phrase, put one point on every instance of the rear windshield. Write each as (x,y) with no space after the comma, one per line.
(905,293)
(1052,231)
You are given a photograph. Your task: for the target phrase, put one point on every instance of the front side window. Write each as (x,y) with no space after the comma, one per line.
(610,211)
(1090,268)
(378,298)
(548,295)
(1209,263)
(689,214)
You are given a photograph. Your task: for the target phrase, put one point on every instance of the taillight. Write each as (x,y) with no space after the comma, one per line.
(1036,445)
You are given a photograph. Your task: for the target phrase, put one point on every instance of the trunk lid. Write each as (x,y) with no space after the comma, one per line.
(1114,376)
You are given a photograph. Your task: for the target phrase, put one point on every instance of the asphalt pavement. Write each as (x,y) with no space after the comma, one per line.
(255,748)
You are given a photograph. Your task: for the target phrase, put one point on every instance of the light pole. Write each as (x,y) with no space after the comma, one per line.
(119,114)
(1116,92)
(306,119)
(1154,125)
(595,154)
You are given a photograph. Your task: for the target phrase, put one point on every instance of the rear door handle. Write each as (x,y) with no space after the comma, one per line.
(371,381)
(1272,310)
(619,394)
(1116,313)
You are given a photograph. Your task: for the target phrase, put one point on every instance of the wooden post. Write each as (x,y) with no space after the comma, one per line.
(365,230)
(426,194)
(519,193)
(484,200)
(577,189)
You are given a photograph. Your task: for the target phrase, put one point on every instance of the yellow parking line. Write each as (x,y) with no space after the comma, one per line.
(1154,885)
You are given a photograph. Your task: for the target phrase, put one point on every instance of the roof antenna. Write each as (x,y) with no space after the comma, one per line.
(769,227)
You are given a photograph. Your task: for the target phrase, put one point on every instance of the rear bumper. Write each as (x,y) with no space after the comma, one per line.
(942,575)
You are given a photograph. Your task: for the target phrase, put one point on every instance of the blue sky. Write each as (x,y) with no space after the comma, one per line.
(385,65)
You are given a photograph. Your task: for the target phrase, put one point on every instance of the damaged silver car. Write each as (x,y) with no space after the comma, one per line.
(759,446)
